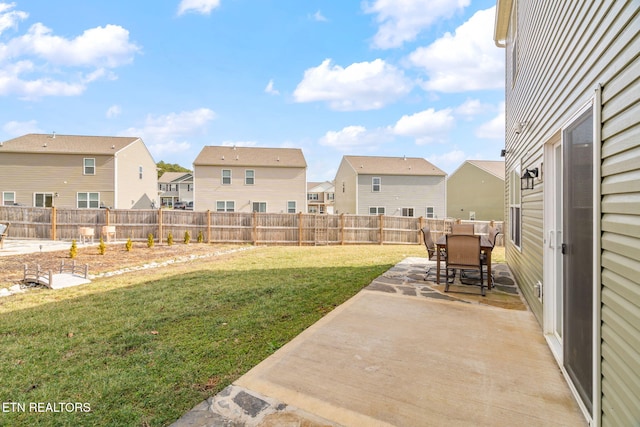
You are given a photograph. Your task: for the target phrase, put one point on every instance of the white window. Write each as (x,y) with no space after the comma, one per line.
(89,166)
(8,198)
(376,210)
(88,200)
(225,206)
(330,196)
(313,209)
(430,212)
(312,196)
(291,206)
(376,183)
(407,211)
(226,176)
(249,177)
(259,207)
(514,208)
(43,200)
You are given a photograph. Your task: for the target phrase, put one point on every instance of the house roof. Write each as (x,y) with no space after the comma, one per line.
(250,156)
(319,187)
(370,165)
(169,177)
(494,167)
(66,144)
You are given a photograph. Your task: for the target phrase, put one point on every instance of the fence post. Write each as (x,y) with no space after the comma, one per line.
(107,212)
(381,228)
(54,223)
(299,228)
(159,225)
(254,232)
(208,226)
(342,229)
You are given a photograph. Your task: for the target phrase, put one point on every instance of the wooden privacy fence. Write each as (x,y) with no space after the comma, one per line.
(227,227)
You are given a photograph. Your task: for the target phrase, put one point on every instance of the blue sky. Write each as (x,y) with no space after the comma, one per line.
(420,78)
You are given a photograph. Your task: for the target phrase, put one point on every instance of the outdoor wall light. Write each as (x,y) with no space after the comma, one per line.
(518,128)
(527,179)
(503,152)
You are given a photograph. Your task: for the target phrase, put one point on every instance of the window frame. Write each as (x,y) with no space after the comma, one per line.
(247,178)
(223,177)
(85,166)
(260,206)
(289,208)
(228,206)
(314,197)
(4,199)
(89,200)
(515,208)
(374,184)
(45,194)
(431,214)
(406,211)
(379,210)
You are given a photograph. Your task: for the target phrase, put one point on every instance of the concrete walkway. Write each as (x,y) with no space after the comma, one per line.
(400,353)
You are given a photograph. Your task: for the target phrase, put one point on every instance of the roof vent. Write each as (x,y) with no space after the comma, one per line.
(44,145)
(237,157)
(53,135)
(222,157)
(113,147)
(278,159)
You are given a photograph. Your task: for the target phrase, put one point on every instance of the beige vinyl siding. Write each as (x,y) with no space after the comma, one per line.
(397,192)
(473,189)
(620,211)
(565,50)
(133,192)
(28,173)
(275,186)
(346,190)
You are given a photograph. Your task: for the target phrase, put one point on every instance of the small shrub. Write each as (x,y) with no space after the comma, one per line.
(200,237)
(150,240)
(170,239)
(129,245)
(73,252)
(102,248)
(187,237)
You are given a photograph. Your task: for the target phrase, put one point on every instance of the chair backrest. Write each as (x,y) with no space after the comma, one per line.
(428,241)
(493,233)
(462,229)
(463,250)
(3,229)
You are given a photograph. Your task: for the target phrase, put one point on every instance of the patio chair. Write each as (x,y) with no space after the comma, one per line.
(462,229)
(4,228)
(467,274)
(431,250)
(463,253)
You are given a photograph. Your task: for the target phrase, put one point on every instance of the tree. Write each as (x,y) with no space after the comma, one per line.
(169,167)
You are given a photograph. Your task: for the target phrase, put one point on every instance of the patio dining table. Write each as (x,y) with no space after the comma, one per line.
(486,246)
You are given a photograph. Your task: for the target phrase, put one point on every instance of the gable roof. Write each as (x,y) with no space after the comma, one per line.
(66,144)
(250,156)
(370,165)
(319,187)
(169,177)
(494,167)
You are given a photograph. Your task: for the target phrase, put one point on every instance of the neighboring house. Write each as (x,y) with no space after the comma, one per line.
(74,171)
(393,186)
(175,187)
(246,179)
(475,191)
(320,196)
(573,233)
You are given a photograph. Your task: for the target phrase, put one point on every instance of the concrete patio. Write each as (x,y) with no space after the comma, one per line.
(402,353)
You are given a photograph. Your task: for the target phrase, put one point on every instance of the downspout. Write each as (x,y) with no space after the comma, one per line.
(597,257)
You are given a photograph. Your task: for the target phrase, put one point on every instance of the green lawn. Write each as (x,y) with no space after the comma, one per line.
(143,348)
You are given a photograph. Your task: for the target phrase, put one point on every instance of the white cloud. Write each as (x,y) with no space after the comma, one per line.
(403,20)
(203,7)
(239,143)
(493,129)
(113,111)
(426,126)
(270,90)
(360,86)
(448,161)
(15,128)
(51,61)
(10,18)
(472,107)
(355,137)
(168,133)
(466,60)
(319,17)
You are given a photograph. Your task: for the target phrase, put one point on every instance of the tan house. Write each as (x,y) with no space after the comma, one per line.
(572,160)
(74,171)
(175,187)
(393,186)
(475,191)
(320,197)
(248,179)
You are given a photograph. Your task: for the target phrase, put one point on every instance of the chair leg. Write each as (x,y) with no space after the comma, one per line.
(482,282)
